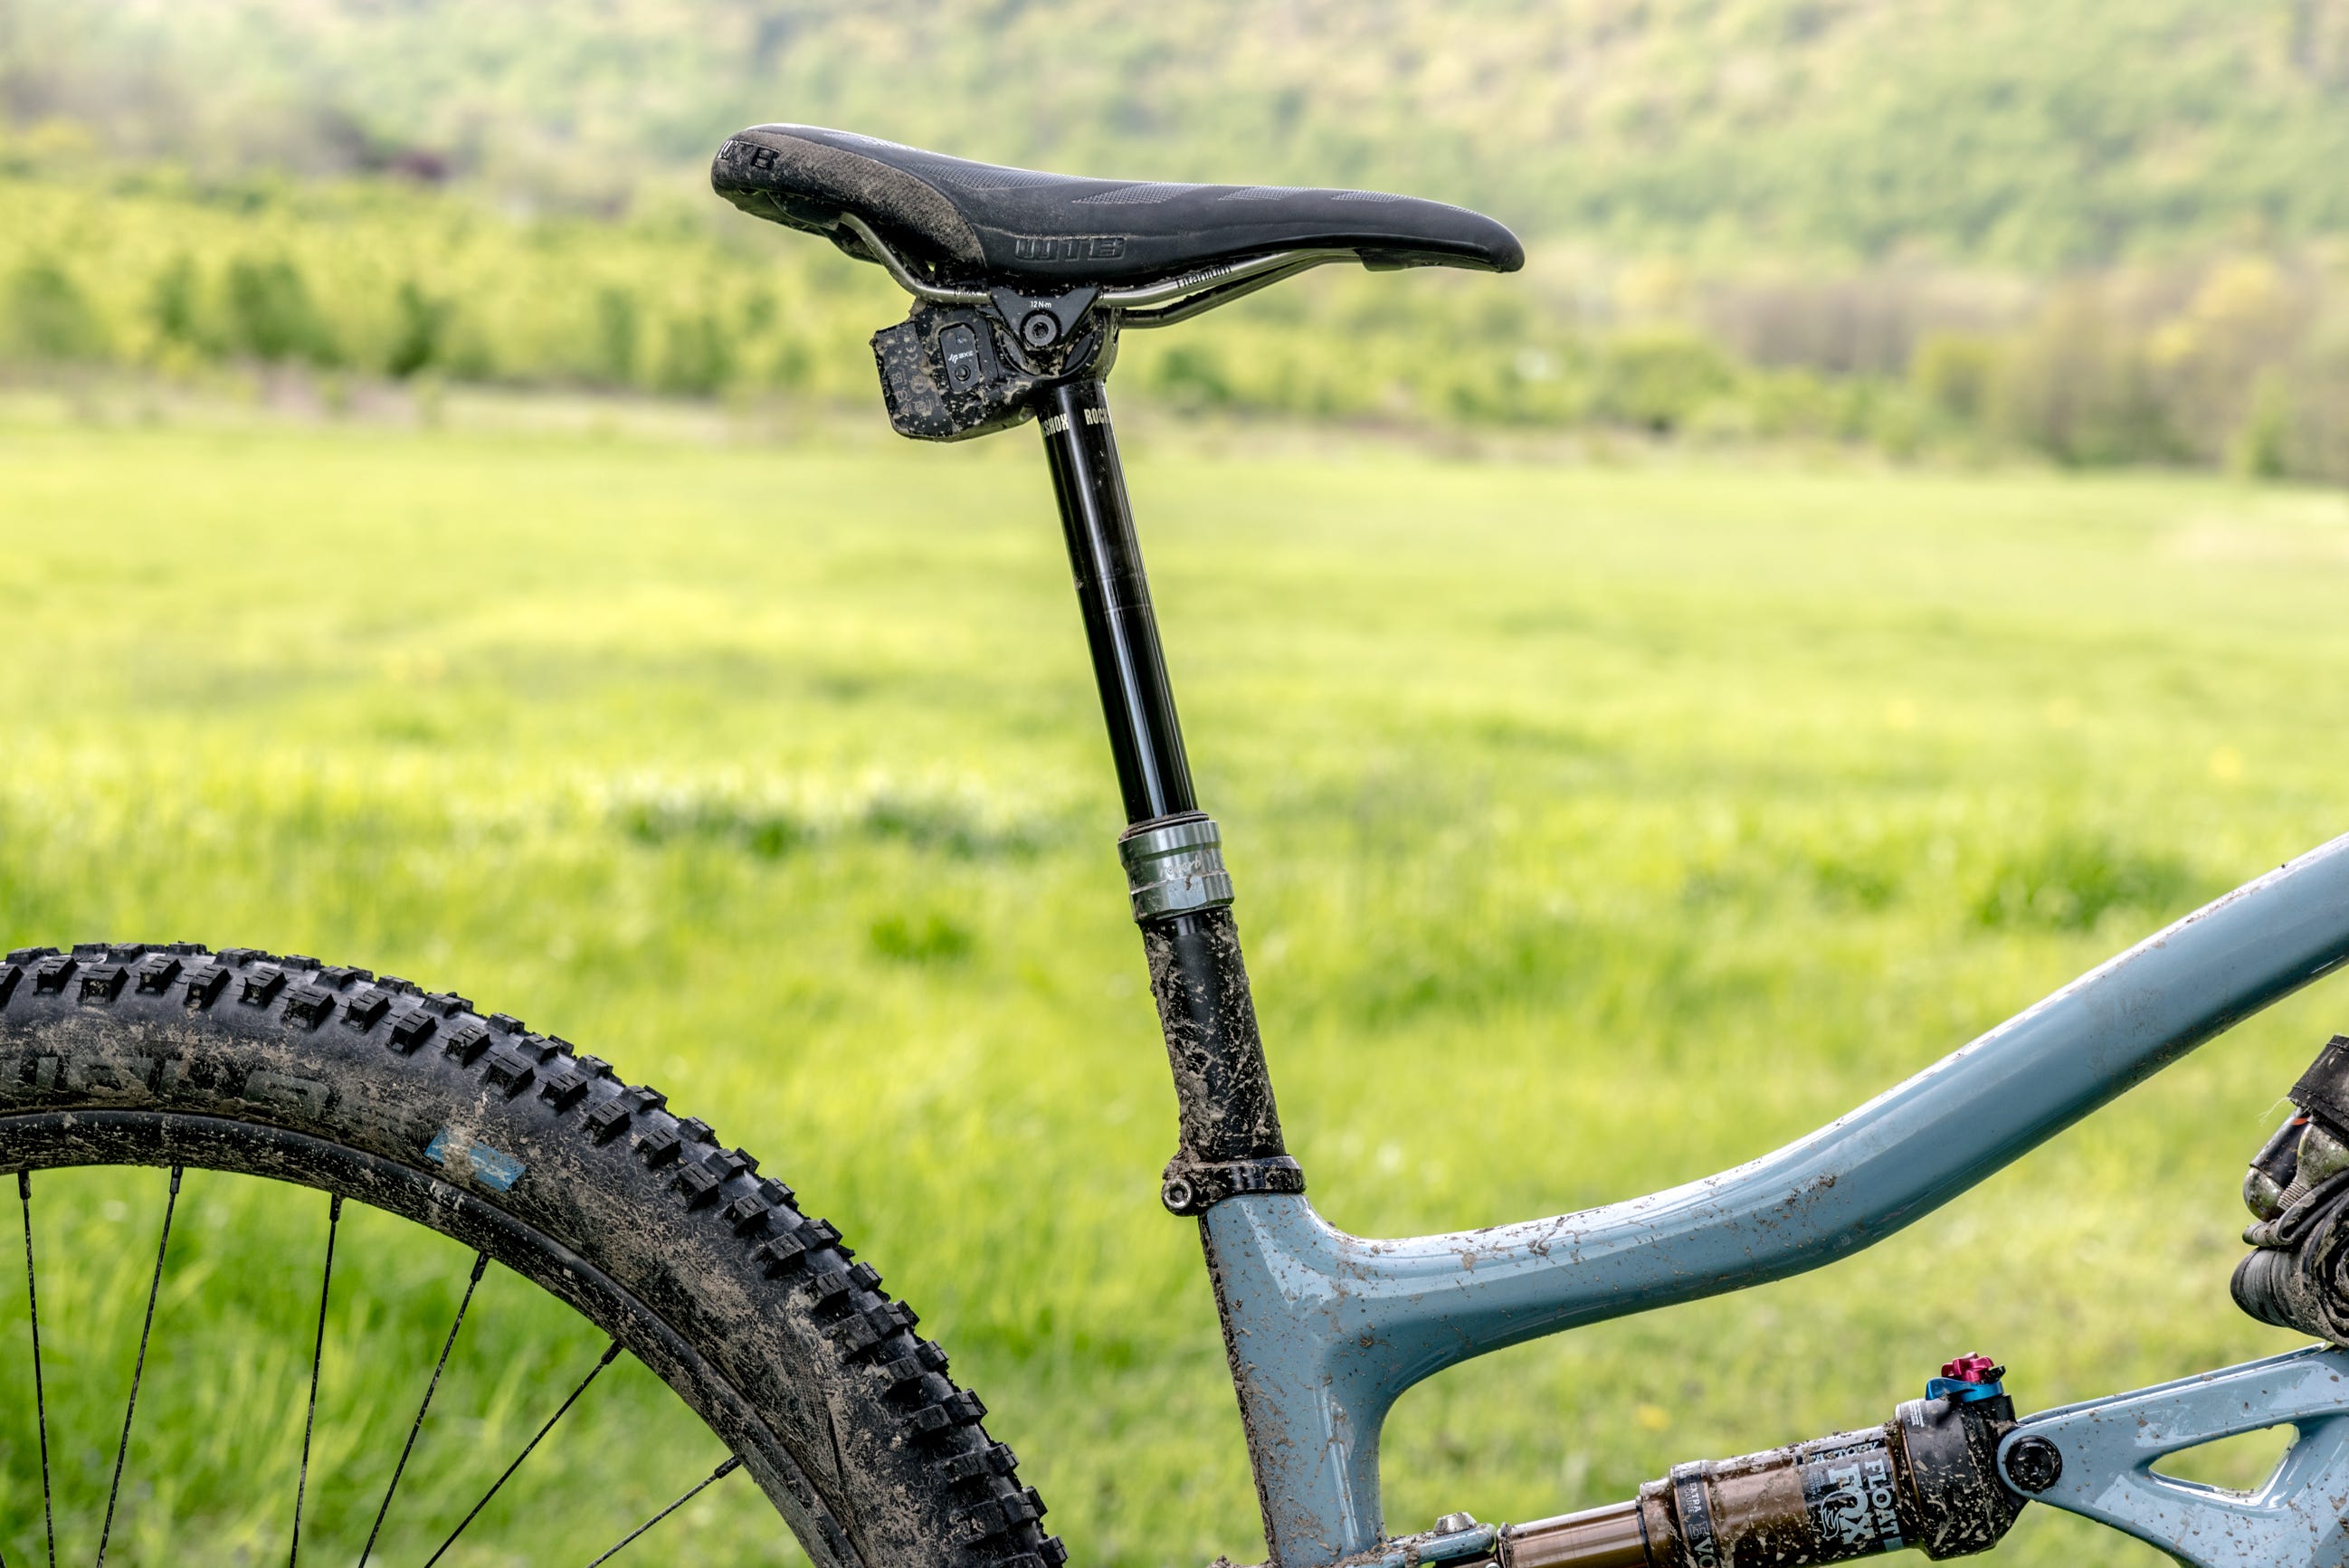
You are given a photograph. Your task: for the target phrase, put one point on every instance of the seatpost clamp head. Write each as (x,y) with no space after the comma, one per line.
(1174,865)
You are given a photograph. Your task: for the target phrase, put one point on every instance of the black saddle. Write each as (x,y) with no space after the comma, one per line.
(977,223)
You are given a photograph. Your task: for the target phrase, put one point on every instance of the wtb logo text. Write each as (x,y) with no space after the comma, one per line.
(1068,247)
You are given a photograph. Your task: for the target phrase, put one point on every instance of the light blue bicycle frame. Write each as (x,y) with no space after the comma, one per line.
(1327,1330)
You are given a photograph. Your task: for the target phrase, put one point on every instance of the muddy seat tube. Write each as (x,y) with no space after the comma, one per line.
(1173,858)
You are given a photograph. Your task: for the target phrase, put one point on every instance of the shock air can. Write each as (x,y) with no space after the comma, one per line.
(1927,1479)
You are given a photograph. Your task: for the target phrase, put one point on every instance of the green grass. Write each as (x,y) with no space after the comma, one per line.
(1596,829)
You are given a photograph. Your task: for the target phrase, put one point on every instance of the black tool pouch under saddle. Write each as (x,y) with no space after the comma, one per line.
(2298,1187)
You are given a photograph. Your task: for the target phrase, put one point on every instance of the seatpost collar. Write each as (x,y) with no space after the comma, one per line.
(1174,865)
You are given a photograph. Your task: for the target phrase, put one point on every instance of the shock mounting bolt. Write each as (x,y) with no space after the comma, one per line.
(1040,328)
(2035,1464)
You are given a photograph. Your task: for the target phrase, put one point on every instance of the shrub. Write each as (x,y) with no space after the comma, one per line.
(48,317)
(270,315)
(1192,375)
(2214,360)
(173,304)
(2312,393)
(2076,385)
(1955,371)
(697,356)
(616,335)
(1656,377)
(420,333)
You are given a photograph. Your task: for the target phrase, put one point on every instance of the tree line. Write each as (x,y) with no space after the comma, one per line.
(2228,358)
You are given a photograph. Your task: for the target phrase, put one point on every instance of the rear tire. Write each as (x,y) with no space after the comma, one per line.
(513,1143)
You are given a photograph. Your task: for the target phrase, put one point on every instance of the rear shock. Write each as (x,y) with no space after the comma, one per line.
(1927,1479)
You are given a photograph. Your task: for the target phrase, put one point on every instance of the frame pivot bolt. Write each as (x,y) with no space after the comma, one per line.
(1040,328)
(2035,1464)
(1176,1194)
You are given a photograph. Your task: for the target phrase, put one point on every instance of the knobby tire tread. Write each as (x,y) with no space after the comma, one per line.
(852,1426)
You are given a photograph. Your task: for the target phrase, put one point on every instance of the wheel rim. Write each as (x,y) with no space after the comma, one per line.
(471,1468)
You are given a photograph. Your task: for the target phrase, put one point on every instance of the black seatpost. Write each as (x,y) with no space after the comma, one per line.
(1121,627)
(1231,1141)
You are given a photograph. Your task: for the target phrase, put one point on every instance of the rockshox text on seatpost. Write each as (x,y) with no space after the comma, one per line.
(1121,628)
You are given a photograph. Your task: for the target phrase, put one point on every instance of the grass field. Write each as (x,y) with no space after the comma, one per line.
(1596,828)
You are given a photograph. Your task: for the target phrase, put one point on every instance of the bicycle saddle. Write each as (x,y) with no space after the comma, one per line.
(980,223)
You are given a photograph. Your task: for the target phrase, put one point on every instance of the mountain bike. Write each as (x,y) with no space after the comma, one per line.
(710,1274)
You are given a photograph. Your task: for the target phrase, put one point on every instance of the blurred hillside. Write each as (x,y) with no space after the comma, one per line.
(2094,231)
(2031,132)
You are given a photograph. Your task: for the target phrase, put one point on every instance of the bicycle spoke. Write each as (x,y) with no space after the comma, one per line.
(317,1354)
(138,1370)
(720,1473)
(481,1263)
(40,1400)
(609,1354)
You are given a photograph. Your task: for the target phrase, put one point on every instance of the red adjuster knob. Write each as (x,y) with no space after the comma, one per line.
(1972,1369)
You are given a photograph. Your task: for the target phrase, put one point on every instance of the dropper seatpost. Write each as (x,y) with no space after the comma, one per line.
(1181,896)
(1121,628)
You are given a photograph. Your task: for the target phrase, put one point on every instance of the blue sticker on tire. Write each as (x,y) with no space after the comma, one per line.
(493,1167)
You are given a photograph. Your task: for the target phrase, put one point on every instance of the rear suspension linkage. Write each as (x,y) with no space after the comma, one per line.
(1950,1473)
